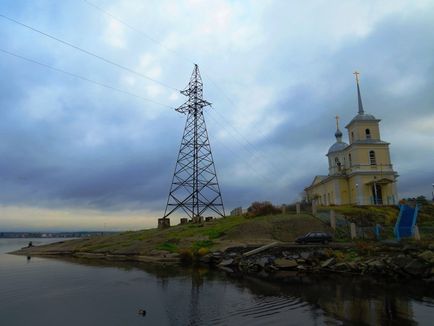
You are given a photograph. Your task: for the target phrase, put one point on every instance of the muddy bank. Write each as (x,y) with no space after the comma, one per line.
(282,260)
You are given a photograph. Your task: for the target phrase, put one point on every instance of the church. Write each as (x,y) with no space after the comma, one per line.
(360,173)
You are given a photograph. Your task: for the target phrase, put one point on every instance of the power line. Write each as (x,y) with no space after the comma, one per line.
(81,77)
(242,158)
(87,52)
(117,65)
(254,153)
(123,22)
(146,35)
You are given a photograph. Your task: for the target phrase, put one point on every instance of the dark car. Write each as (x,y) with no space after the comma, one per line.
(315,237)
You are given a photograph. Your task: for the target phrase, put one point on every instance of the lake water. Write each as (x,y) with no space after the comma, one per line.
(42,291)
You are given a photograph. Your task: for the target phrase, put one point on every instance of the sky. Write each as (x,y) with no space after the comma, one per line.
(75,155)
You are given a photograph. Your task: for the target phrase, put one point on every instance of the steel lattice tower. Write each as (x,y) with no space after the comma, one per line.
(195,187)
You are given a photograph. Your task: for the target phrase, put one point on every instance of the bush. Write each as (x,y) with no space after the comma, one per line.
(262,208)
(202,251)
(186,255)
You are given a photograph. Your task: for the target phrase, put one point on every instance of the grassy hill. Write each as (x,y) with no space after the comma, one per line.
(218,234)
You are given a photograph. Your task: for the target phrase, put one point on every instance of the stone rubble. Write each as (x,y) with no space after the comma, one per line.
(406,262)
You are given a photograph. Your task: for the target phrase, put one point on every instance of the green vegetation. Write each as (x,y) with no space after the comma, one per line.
(192,240)
(168,246)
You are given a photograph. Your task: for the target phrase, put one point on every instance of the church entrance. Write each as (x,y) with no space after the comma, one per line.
(376,194)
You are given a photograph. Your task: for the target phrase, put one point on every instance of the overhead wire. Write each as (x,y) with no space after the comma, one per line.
(138,31)
(146,35)
(247,163)
(97,56)
(82,78)
(104,85)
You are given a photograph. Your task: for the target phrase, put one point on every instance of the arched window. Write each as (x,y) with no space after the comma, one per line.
(352,136)
(338,163)
(349,159)
(372,159)
(368,134)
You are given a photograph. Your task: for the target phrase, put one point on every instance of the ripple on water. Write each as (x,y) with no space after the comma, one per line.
(262,309)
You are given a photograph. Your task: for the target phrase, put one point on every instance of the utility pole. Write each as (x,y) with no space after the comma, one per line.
(195,189)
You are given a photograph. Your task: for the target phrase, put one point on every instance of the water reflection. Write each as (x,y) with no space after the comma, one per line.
(197,295)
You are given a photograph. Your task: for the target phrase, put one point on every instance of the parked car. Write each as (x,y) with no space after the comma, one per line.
(314,237)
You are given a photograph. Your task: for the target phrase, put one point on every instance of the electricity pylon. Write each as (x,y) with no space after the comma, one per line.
(195,188)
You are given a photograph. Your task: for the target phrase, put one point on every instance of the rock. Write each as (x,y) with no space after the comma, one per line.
(431,246)
(283,263)
(416,268)
(376,265)
(206,259)
(226,262)
(301,268)
(318,255)
(401,261)
(226,269)
(427,255)
(305,255)
(353,266)
(409,248)
(341,267)
(254,268)
(263,261)
(173,255)
(271,268)
(328,263)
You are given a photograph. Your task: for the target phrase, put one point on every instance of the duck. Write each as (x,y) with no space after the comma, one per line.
(142,312)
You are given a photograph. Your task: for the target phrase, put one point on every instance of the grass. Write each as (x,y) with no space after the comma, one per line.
(195,238)
(168,246)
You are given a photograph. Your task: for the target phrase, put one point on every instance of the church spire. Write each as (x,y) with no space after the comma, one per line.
(361,111)
(338,133)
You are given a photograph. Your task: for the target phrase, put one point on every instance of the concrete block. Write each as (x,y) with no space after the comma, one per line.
(333,219)
(416,233)
(353,230)
(163,223)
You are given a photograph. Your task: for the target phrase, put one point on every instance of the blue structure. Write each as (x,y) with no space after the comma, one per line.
(404,227)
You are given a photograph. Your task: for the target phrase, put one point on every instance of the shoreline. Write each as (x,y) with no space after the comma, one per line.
(279,261)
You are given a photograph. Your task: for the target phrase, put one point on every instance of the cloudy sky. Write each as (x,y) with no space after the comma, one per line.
(77,155)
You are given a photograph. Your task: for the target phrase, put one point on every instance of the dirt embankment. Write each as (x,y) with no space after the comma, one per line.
(169,244)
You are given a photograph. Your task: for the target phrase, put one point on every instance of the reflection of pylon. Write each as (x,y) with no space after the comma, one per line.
(195,187)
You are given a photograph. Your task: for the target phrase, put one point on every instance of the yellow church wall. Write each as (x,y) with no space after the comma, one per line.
(357,131)
(360,156)
(344,190)
(361,190)
(357,190)
(332,192)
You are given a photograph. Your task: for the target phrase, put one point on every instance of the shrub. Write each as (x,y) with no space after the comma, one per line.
(202,251)
(262,208)
(186,255)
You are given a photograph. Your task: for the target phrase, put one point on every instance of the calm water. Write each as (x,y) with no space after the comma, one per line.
(40,291)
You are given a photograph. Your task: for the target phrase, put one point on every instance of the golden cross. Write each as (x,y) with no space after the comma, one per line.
(337,122)
(356,73)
